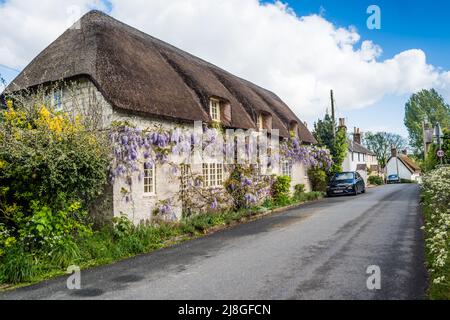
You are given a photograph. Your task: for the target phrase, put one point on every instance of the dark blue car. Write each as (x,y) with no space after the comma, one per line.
(393,178)
(346,183)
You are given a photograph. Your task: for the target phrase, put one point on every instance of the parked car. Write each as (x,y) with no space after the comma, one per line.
(393,178)
(346,183)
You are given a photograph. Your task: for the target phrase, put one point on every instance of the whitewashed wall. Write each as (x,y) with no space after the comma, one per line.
(82,97)
(403,172)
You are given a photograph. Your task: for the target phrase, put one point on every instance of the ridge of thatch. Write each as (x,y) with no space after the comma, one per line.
(139,73)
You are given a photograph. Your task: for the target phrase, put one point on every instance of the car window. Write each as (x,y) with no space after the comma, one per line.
(344,176)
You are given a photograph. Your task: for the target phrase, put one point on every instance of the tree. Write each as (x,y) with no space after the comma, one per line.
(336,142)
(431,159)
(426,105)
(381,143)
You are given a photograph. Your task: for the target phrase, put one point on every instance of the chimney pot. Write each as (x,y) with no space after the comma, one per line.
(357,136)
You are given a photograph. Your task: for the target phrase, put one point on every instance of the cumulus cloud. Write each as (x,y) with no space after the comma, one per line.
(27,27)
(299,58)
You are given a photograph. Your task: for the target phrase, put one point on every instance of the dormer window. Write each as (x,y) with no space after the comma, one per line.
(293,129)
(214,106)
(260,122)
(264,121)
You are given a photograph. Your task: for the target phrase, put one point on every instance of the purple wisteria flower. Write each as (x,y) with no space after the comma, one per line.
(250,198)
(247,182)
(214,204)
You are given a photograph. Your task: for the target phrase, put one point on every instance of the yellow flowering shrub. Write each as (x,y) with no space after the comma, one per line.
(51,171)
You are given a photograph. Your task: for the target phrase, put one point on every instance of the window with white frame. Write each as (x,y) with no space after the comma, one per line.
(212,174)
(286,169)
(215,109)
(149,180)
(54,98)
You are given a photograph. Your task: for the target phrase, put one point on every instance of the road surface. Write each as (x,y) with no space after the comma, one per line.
(319,251)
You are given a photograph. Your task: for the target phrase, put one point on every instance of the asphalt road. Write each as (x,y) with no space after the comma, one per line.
(318,251)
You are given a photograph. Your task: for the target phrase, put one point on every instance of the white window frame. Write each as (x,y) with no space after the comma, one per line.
(51,99)
(286,169)
(214,108)
(212,175)
(150,186)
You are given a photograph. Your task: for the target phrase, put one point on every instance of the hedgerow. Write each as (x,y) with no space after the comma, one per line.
(436,199)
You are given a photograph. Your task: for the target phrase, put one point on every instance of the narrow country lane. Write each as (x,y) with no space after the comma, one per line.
(318,251)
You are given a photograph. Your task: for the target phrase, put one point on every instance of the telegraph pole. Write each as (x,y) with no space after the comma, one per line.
(333,114)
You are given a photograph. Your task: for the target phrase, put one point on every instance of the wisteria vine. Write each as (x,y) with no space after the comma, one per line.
(135,149)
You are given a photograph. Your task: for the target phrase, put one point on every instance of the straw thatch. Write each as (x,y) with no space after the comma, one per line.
(140,74)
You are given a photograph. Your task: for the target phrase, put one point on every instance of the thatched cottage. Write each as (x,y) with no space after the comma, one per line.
(126,74)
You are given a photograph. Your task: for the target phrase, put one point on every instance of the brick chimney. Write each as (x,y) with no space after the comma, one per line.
(342,124)
(393,152)
(357,136)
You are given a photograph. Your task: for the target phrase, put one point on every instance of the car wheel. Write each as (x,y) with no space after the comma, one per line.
(363,190)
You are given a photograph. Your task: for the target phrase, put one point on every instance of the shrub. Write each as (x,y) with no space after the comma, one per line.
(46,228)
(64,254)
(122,226)
(44,153)
(299,189)
(51,170)
(436,197)
(376,180)
(17,266)
(281,190)
(245,187)
(318,178)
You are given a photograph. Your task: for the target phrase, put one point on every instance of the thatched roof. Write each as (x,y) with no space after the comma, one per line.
(409,163)
(139,73)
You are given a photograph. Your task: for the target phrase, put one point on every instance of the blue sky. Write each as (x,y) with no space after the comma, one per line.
(406,24)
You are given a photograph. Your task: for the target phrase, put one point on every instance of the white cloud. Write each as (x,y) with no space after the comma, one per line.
(27,26)
(299,58)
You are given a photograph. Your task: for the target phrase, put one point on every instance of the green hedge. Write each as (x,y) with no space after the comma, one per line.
(435,201)
(376,180)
